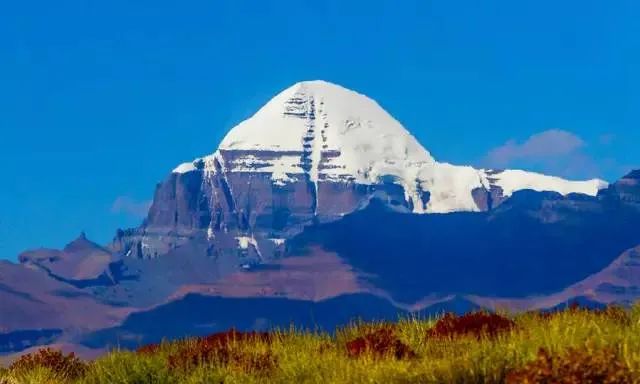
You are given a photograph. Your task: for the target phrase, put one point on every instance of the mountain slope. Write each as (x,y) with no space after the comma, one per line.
(31,299)
(81,262)
(534,243)
(195,315)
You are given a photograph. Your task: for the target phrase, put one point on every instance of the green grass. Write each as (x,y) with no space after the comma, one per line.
(305,357)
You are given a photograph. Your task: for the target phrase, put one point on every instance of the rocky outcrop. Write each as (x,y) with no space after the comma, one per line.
(625,190)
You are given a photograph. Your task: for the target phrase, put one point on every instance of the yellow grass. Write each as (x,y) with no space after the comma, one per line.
(304,357)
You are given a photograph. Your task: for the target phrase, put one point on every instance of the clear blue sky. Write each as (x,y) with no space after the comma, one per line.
(99,100)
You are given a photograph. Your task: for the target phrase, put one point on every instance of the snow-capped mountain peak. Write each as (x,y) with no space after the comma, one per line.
(316,131)
(336,132)
(339,118)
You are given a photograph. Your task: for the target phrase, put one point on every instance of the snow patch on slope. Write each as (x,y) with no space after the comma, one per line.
(515,180)
(245,241)
(278,241)
(450,187)
(185,167)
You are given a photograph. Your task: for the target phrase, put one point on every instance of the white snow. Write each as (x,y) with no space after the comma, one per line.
(245,241)
(185,167)
(347,137)
(277,241)
(207,161)
(282,178)
(281,168)
(513,180)
(450,187)
(370,142)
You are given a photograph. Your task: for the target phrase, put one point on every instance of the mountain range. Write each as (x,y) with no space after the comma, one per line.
(319,209)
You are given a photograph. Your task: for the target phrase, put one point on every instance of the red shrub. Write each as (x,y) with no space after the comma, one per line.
(616,313)
(254,363)
(573,367)
(475,323)
(380,343)
(218,347)
(148,349)
(233,336)
(68,366)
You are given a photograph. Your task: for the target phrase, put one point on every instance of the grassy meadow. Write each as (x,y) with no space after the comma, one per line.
(571,346)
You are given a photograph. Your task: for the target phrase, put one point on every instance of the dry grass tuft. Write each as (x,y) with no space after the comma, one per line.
(602,366)
(223,348)
(67,366)
(610,312)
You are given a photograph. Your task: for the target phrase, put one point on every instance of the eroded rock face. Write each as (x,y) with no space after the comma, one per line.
(180,202)
(244,212)
(626,190)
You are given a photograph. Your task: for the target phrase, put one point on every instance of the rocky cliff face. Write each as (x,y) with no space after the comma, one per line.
(243,212)
(626,190)
(314,153)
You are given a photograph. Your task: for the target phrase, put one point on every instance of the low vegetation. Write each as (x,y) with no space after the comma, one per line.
(571,346)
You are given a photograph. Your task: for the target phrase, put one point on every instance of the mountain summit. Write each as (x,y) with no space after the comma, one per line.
(341,119)
(314,153)
(318,131)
